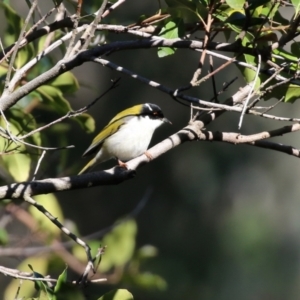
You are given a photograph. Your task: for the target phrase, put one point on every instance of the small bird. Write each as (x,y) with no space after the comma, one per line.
(126,136)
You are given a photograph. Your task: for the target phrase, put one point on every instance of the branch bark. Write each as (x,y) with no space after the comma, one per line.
(194,131)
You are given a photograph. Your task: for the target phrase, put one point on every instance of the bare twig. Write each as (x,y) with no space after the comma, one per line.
(245,105)
(71,114)
(30,276)
(12,61)
(38,165)
(90,264)
(85,39)
(112,8)
(57,247)
(277,147)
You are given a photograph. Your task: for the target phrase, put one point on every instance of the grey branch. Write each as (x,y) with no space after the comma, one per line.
(194,131)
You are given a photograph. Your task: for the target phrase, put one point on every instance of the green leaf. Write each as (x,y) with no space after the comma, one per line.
(188,10)
(287,55)
(69,291)
(38,284)
(253,4)
(23,56)
(14,24)
(18,163)
(120,244)
(165,51)
(3,237)
(238,19)
(62,278)
(147,251)
(236,4)
(53,97)
(39,263)
(292,93)
(64,290)
(3,69)
(66,82)
(25,123)
(270,11)
(249,74)
(150,281)
(50,202)
(295,49)
(296,4)
(87,122)
(172,30)
(120,294)
(42,286)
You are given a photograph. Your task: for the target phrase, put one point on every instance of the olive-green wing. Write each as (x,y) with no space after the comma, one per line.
(111,128)
(132,111)
(107,131)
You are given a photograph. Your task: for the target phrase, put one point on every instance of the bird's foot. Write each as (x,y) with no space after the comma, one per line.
(122,164)
(150,157)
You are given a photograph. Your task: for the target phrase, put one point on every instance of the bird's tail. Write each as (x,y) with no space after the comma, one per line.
(88,166)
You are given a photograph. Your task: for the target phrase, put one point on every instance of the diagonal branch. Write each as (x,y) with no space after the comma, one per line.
(90,265)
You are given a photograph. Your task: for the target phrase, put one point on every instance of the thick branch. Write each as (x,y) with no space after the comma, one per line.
(66,65)
(65,23)
(113,176)
(116,175)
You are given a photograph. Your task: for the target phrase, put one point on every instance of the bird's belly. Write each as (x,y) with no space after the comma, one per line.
(128,143)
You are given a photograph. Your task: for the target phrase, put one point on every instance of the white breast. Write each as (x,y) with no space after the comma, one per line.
(132,139)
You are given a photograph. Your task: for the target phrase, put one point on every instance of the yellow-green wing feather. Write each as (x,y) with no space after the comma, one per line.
(111,128)
(107,131)
(132,111)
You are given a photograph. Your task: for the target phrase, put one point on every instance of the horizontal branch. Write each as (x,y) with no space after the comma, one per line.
(51,185)
(290,150)
(65,23)
(68,64)
(237,138)
(113,176)
(116,175)
(210,105)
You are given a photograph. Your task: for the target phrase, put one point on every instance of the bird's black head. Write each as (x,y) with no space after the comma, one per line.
(152,110)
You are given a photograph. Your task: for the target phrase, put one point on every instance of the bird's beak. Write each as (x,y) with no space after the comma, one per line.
(165,120)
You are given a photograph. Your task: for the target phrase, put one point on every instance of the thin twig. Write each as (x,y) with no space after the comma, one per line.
(112,8)
(38,164)
(13,58)
(90,265)
(29,251)
(277,147)
(245,105)
(211,66)
(30,276)
(85,39)
(71,114)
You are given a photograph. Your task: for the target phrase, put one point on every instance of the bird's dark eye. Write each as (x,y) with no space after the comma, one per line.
(157,115)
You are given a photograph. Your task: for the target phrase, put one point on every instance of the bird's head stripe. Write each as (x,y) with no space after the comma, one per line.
(150,108)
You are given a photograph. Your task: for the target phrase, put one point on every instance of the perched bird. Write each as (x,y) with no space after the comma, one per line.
(126,136)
